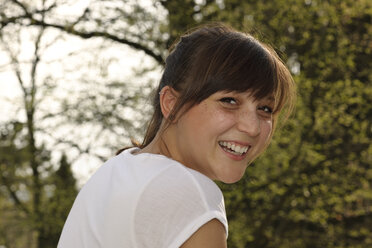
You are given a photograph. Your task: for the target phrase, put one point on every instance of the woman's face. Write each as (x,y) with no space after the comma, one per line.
(222,134)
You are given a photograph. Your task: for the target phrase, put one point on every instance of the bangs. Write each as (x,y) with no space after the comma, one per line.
(240,65)
(215,58)
(223,60)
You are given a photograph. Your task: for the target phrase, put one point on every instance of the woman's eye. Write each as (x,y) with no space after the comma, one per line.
(228,100)
(266,109)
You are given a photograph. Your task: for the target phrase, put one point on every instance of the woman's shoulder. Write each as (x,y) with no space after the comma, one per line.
(174,204)
(156,164)
(158,199)
(149,177)
(165,171)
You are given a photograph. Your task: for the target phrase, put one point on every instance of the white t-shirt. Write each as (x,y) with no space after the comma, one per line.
(143,200)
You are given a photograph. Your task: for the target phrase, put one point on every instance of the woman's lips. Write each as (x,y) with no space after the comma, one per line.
(235,150)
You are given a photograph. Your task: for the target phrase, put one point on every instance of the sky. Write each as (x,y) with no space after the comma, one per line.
(65,61)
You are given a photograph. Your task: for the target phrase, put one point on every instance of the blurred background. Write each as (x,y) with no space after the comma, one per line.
(75,86)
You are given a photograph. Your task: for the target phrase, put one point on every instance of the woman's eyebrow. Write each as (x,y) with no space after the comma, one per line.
(267,98)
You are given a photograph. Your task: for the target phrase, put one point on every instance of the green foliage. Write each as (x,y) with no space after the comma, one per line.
(60,196)
(312,188)
(15,226)
(21,225)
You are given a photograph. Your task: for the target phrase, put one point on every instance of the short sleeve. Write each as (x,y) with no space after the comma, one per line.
(171,208)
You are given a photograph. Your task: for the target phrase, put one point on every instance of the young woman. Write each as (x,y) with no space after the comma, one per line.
(215,111)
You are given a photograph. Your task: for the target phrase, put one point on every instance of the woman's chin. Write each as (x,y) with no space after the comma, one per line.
(229,179)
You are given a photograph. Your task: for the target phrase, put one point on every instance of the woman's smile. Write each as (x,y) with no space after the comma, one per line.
(234,150)
(220,136)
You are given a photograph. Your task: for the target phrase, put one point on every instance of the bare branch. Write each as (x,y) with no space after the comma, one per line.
(9,20)
(13,195)
(22,6)
(45,10)
(35,63)
(85,35)
(80,18)
(17,70)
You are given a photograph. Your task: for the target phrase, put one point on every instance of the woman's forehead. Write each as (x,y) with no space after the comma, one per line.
(249,93)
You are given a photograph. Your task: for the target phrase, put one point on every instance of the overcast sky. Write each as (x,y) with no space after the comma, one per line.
(65,61)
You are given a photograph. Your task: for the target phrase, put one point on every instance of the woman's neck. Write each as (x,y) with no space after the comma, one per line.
(159,145)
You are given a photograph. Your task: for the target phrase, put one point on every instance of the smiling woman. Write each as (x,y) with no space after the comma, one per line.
(215,111)
(221,135)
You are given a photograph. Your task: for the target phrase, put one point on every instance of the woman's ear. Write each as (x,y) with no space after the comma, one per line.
(168,98)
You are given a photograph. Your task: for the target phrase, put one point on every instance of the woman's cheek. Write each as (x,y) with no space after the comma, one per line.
(267,128)
(224,118)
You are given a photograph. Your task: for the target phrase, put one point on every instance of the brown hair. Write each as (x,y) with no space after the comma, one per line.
(215,58)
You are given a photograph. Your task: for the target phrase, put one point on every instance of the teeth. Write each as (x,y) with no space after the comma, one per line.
(235,149)
(241,150)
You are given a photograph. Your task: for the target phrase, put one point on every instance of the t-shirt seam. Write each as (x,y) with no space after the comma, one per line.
(201,193)
(207,216)
(134,238)
(178,165)
(204,197)
(183,167)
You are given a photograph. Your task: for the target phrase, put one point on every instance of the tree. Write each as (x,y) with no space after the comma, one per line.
(15,224)
(31,182)
(61,194)
(57,193)
(312,188)
(19,171)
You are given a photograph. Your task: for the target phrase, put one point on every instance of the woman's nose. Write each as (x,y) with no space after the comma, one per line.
(249,122)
